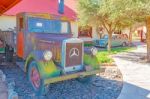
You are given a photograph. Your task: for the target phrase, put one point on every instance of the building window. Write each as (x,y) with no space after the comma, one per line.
(85,31)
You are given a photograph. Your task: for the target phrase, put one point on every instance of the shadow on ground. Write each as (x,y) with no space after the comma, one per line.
(131,91)
(131,56)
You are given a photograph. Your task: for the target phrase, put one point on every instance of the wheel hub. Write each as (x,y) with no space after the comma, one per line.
(35,78)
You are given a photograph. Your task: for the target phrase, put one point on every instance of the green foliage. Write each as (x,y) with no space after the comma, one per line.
(91,60)
(112,14)
(88,45)
(103,57)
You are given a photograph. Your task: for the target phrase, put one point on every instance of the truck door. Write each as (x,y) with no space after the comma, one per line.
(20,38)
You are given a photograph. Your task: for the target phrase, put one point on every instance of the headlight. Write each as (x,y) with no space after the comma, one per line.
(94,51)
(47,55)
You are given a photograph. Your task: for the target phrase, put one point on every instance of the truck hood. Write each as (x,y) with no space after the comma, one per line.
(45,41)
(50,37)
(48,42)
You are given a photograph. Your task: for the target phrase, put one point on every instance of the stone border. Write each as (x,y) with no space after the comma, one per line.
(108,64)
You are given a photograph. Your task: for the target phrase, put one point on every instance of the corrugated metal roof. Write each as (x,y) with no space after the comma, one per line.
(43,6)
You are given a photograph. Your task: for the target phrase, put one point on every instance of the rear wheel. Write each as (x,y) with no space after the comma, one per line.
(35,79)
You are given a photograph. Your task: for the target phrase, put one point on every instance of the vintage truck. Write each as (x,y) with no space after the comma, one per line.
(46,51)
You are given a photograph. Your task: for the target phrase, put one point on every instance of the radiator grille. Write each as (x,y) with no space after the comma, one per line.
(74,54)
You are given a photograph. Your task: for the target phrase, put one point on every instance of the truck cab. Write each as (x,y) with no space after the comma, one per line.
(43,33)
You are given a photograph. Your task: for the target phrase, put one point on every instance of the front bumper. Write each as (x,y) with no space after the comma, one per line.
(70,76)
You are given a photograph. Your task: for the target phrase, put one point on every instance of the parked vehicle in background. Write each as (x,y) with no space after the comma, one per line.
(117,40)
(46,51)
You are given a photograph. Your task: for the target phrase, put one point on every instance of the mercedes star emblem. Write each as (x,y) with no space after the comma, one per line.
(73,52)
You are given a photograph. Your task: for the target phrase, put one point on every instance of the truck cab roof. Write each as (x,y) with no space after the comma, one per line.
(43,16)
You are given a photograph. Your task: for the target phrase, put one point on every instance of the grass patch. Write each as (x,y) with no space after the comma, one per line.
(104,56)
(123,49)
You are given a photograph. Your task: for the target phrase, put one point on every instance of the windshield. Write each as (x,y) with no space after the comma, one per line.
(39,25)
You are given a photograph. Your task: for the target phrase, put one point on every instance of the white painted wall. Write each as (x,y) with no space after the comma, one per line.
(74,28)
(7,22)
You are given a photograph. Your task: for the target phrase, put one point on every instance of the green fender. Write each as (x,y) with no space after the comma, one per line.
(47,69)
(91,61)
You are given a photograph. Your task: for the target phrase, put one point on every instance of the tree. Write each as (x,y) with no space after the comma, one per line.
(140,12)
(106,13)
(112,14)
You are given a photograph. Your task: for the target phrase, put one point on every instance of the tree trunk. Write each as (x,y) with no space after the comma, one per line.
(109,41)
(98,32)
(130,37)
(148,38)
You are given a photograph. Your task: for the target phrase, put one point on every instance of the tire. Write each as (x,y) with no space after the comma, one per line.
(35,79)
(84,79)
(9,51)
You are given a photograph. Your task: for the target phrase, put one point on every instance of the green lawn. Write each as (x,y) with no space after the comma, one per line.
(104,56)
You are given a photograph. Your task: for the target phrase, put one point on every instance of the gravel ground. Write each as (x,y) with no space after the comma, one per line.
(106,86)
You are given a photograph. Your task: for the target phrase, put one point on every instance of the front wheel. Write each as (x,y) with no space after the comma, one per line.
(35,79)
